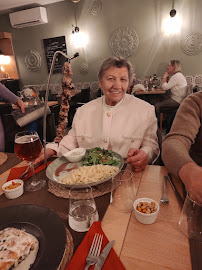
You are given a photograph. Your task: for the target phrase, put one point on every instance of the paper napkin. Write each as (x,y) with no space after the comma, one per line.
(15,172)
(78,260)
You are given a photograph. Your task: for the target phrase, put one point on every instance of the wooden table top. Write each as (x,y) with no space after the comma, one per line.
(50,103)
(45,198)
(152,92)
(157,246)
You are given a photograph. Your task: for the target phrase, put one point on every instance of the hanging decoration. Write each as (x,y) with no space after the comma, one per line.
(124,42)
(67,93)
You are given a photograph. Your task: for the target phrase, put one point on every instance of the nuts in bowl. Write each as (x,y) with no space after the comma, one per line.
(13,189)
(146,210)
(75,155)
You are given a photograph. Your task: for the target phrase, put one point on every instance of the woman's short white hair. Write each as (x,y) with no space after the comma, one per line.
(116,62)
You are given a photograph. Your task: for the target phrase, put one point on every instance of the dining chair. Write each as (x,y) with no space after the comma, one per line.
(168,113)
(159,161)
(11,128)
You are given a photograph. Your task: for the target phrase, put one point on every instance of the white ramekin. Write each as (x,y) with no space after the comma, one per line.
(75,155)
(142,217)
(13,193)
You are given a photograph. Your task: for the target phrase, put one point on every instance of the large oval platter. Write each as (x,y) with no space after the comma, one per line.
(61,167)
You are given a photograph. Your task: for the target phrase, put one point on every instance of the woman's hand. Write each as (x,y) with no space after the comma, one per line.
(22,105)
(191,174)
(165,77)
(49,153)
(137,159)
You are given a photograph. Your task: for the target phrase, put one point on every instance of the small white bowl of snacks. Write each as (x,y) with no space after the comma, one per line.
(75,155)
(13,189)
(146,210)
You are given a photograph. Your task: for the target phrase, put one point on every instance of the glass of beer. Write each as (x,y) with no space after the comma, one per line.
(28,147)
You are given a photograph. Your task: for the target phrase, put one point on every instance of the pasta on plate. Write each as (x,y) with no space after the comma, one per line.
(88,174)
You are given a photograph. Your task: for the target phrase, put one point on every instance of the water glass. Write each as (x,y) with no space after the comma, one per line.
(190,222)
(123,191)
(82,209)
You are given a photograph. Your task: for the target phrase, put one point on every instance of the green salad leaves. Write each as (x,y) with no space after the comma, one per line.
(97,155)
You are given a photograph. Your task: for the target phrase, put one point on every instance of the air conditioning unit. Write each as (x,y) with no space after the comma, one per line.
(28,17)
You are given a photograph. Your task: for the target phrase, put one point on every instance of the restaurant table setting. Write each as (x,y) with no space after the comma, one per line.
(79,258)
(137,245)
(45,199)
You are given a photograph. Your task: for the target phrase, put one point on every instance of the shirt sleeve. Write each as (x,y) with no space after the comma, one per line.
(170,84)
(7,94)
(176,145)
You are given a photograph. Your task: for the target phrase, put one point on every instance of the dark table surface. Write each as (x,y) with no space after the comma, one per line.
(47,199)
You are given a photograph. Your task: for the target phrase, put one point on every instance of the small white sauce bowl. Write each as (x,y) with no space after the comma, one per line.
(75,155)
(15,192)
(142,217)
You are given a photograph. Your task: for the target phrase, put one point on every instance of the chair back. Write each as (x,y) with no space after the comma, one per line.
(160,139)
(189,89)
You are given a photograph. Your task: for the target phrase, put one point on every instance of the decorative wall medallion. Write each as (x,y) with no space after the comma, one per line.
(192,44)
(124,42)
(33,60)
(198,80)
(86,85)
(84,68)
(190,80)
(96,7)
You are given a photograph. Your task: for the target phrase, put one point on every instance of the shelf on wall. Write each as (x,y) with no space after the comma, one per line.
(6,46)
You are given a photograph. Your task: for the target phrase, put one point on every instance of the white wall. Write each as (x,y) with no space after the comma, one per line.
(145,17)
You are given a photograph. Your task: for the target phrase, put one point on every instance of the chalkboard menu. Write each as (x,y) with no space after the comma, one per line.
(51,45)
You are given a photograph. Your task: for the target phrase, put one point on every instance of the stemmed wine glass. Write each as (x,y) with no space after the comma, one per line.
(28,147)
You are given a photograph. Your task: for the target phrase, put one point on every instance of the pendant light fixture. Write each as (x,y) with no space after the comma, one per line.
(173,11)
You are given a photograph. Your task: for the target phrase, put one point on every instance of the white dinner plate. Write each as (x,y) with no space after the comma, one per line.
(61,167)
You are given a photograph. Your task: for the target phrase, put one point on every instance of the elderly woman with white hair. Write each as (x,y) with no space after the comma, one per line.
(177,85)
(116,121)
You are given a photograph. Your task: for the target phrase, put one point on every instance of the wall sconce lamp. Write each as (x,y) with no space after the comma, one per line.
(75,1)
(173,11)
(4,59)
(78,38)
(75,29)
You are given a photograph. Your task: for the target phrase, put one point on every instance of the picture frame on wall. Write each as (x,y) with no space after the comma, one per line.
(51,45)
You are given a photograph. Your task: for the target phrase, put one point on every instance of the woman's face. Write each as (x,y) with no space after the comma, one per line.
(170,68)
(114,84)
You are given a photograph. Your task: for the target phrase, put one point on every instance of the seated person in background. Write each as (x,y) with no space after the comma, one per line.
(116,121)
(12,98)
(135,86)
(132,84)
(177,85)
(182,147)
